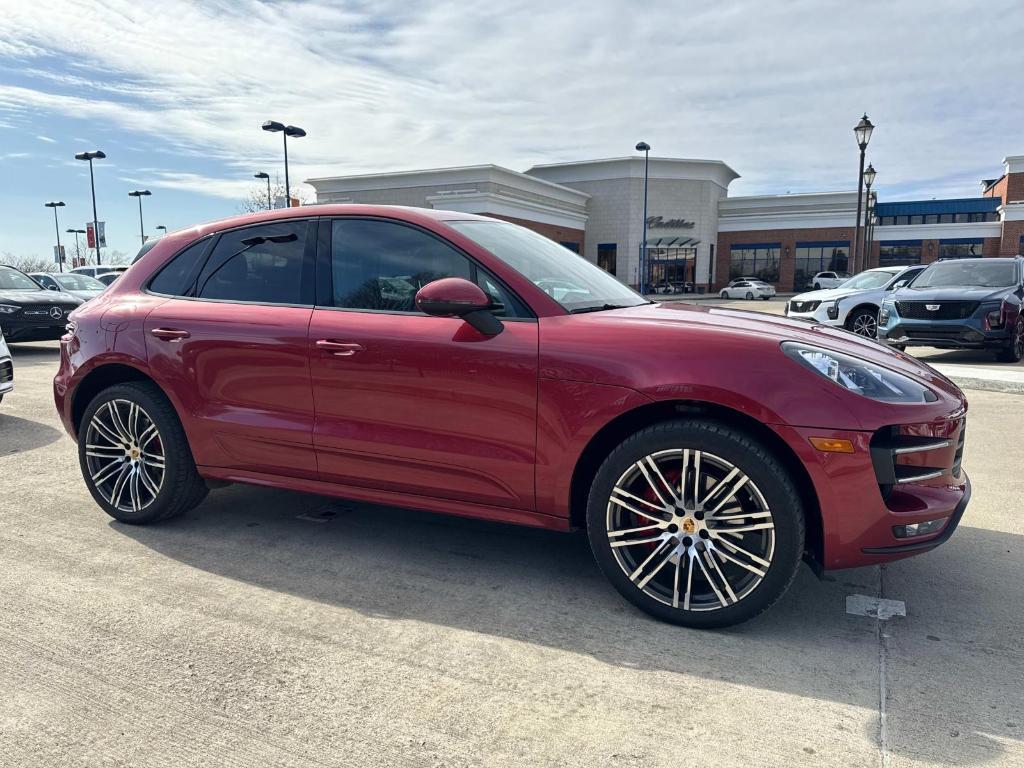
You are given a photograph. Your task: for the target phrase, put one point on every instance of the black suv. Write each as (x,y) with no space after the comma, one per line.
(960,303)
(29,312)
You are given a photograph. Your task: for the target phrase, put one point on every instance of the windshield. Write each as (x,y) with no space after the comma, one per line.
(979,274)
(870,279)
(13,280)
(567,277)
(78,283)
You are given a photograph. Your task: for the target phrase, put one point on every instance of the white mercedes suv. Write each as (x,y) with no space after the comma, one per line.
(854,305)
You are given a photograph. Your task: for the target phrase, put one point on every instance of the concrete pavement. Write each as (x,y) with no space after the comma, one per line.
(278,629)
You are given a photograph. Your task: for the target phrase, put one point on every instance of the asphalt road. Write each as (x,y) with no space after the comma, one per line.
(277,629)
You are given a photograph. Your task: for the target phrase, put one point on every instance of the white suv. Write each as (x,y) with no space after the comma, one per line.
(748,288)
(855,304)
(95,271)
(6,368)
(829,280)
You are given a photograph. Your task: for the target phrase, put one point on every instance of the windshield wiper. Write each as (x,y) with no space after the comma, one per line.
(599,308)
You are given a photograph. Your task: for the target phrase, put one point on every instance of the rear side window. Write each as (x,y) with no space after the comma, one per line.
(261,264)
(178,275)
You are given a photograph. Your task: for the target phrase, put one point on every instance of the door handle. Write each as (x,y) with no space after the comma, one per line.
(339,348)
(170,334)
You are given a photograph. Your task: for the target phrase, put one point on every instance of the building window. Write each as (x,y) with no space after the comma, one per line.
(897,254)
(814,257)
(960,249)
(606,253)
(760,260)
(945,218)
(931,218)
(574,247)
(917,219)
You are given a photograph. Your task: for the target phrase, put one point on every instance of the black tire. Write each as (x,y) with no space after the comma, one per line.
(863,322)
(765,298)
(817,286)
(180,487)
(1013,352)
(725,294)
(750,296)
(769,482)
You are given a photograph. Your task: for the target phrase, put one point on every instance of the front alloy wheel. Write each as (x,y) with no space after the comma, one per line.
(865,323)
(695,523)
(1014,350)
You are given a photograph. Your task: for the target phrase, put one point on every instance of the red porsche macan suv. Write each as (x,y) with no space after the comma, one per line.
(461,364)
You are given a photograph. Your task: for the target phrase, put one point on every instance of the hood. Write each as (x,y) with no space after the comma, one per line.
(84,295)
(42,296)
(830,294)
(965,293)
(776,329)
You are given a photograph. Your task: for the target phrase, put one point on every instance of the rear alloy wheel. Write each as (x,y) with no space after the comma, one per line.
(750,296)
(817,286)
(725,294)
(1013,352)
(696,523)
(864,323)
(135,457)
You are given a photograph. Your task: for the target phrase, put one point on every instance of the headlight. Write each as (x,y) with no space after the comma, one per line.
(883,316)
(7,309)
(833,311)
(994,316)
(859,376)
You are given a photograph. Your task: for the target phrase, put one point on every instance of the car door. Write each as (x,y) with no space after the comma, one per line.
(230,344)
(410,403)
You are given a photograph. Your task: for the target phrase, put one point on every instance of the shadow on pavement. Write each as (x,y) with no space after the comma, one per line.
(540,587)
(18,435)
(31,351)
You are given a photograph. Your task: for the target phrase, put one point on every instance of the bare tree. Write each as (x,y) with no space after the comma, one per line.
(256,199)
(28,263)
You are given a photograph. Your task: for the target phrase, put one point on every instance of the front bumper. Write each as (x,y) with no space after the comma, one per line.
(965,334)
(818,315)
(42,328)
(896,477)
(6,375)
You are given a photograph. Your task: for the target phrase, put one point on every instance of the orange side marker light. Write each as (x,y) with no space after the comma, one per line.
(831,444)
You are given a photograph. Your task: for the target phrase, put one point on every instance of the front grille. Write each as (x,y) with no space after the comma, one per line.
(46,313)
(6,371)
(958,457)
(937,332)
(803,306)
(944,310)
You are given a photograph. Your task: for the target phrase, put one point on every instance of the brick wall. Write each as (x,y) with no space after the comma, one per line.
(1010,244)
(990,246)
(787,238)
(558,234)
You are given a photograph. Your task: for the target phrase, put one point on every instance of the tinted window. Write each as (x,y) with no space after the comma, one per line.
(13,280)
(968,273)
(177,277)
(380,265)
(260,264)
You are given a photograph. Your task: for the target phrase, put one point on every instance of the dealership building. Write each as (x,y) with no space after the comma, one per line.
(696,231)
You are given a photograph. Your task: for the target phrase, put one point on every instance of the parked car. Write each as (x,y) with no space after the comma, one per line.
(107,278)
(960,304)
(748,289)
(673,288)
(29,312)
(6,368)
(82,286)
(95,270)
(829,280)
(705,451)
(855,304)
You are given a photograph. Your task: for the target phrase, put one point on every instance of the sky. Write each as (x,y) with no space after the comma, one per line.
(175,92)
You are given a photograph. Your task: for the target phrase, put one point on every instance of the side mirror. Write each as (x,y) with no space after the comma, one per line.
(51,287)
(897,285)
(457,297)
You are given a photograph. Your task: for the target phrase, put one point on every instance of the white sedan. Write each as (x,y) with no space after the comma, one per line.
(748,289)
(829,280)
(6,368)
(855,304)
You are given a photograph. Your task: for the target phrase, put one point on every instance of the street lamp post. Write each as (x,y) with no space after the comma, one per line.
(264,175)
(288,130)
(644,147)
(869,179)
(96,154)
(56,226)
(862,131)
(140,193)
(78,245)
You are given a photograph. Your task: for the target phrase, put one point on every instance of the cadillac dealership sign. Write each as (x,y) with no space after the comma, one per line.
(660,222)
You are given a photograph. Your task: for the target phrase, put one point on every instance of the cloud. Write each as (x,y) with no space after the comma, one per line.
(47,139)
(771,88)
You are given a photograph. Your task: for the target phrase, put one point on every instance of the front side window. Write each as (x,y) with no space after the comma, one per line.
(381,265)
(261,264)
(575,283)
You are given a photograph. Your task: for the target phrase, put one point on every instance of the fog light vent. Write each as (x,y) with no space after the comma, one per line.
(918,529)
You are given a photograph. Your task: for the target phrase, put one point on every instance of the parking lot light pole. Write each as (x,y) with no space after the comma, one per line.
(644,147)
(96,154)
(862,131)
(56,226)
(78,244)
(287,130)
(869,179)
(161,226)
(140,193)
(265,175)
